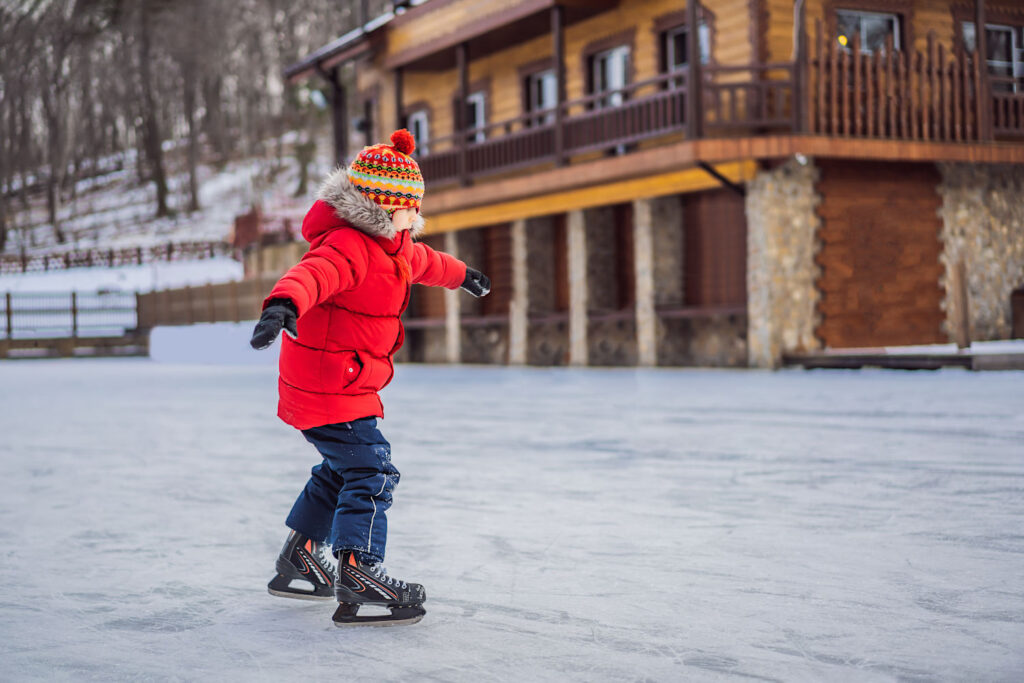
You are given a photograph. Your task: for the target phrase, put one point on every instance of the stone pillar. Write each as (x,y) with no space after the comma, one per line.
(519,305)
(982,227)
(643,267)
(452,308)
(578,299)
(782,240)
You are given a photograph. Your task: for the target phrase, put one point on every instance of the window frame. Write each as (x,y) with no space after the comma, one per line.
(423,139)
(861,14)
(479,99)
(1016,63)
(616,95)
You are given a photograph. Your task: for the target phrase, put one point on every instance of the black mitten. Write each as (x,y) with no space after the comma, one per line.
(476,283)
(279,313)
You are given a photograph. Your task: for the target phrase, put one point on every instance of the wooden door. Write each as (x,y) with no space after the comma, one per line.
(879,254)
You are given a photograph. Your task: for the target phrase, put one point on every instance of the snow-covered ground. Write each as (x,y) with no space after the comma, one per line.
(144,278)
(585,525)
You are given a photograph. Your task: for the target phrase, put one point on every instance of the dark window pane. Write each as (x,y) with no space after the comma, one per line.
(678,49)
(848,25)
(1000,44)
(875,31)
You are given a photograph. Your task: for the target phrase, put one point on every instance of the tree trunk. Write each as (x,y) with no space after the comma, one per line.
(189,79)
(150,123)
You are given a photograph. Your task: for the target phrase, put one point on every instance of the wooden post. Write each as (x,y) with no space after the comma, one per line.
(694,105)
(188,305)
(963,339)
(984,98)
(558,49)
(399,118)
(74,314)
(211,308)
(236,314)
(801,94)
(461,58)
(339,113)
(10,315)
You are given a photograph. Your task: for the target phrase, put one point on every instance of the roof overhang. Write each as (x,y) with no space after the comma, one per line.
(517,23)
(353,45)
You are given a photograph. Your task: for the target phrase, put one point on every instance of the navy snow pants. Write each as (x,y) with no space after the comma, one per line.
(345,500)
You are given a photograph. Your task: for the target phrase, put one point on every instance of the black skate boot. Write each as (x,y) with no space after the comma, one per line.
(305,570)
(357,584)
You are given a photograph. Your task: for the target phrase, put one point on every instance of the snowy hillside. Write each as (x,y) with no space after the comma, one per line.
(113,210)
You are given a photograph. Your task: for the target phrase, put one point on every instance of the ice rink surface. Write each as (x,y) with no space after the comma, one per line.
(583,525)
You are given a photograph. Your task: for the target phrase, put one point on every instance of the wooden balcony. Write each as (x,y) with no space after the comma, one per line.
(933,96)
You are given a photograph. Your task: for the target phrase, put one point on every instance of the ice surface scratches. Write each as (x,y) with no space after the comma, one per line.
(584,525)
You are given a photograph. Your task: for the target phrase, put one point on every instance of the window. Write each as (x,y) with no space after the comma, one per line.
(872,27)
(609,72)
(475,116)
(418,126)
(676,46)
(541,94)
(1005,56)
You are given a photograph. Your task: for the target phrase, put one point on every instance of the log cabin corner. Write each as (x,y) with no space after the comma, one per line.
(726,183)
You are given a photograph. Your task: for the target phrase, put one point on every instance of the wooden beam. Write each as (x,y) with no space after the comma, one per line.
(461,59)
(984,101)
(678,182)
(680,155)
(399,118)
(694,104)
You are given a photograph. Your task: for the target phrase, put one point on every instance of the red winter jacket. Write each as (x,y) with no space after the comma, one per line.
(350,289)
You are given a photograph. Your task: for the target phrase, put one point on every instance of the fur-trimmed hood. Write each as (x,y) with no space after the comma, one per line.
(357,209)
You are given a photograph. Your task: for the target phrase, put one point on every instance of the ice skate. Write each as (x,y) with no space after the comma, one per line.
(305,570)
(358,584)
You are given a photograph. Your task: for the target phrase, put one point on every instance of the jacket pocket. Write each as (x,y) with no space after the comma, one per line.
(373,374)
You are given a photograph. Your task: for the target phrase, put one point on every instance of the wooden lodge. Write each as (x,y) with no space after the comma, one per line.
(666,182)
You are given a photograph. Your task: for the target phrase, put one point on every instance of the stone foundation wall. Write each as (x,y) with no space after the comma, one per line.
(719,341)
(549,344)
(612,342)
(485,344)
(983,225)
(781,245)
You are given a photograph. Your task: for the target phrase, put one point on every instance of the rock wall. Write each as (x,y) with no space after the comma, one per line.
(982,225)
(781,245)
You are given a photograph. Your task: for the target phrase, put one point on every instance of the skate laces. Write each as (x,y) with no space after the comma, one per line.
(325,556)
(382,574)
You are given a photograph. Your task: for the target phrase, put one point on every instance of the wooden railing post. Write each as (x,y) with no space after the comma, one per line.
(10,315)
(74,314)
(801,93)
(461,58)
(984,92)
(558,49)
(694,104)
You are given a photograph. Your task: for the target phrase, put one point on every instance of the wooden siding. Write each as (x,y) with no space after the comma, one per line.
(428,302)
(730,37)
(715,249)
(879,254)
(922,17)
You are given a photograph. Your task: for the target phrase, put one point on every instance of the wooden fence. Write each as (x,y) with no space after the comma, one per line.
(225,302)
(108,258)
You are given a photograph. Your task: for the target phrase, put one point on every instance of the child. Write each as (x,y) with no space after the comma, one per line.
(341,307)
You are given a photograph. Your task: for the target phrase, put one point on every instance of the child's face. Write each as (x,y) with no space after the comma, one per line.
(403,218)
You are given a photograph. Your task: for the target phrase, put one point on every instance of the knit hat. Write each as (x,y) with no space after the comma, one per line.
(387,175)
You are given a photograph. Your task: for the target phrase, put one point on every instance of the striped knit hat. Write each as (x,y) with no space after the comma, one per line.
(387,175)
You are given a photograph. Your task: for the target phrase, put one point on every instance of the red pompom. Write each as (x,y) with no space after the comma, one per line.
(403,141)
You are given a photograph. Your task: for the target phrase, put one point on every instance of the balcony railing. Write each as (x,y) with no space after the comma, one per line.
(931,95)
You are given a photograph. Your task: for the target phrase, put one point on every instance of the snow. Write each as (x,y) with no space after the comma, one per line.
(144,278)
(583,525)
